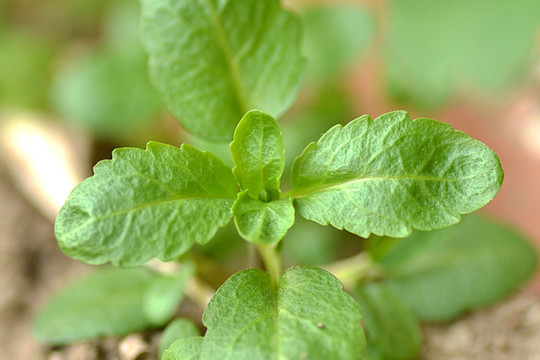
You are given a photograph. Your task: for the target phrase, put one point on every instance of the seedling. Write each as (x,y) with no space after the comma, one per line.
(215,62)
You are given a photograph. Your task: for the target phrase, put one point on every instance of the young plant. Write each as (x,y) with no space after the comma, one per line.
(215,62)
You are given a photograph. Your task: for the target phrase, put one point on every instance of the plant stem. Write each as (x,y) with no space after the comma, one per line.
(271,260)
(350,270)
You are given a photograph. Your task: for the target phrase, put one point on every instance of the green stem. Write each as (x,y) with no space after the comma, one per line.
(271,260)
(350,270)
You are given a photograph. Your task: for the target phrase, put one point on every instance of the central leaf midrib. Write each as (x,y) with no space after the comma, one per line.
(156,203)
(309,191)
(92,219)
(231,64)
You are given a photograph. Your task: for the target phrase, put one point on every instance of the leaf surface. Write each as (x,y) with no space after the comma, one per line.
(146,203)
(106,303)
(390,175)
(262,222)
(258,152)
(215,60)
(307,316)
(176,330)
(392,331)
(441,274)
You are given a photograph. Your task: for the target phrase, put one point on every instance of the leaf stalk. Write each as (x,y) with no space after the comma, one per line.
(272,260)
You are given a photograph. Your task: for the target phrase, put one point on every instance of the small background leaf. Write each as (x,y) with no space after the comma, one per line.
(392,331)
(177,329)
(184,349)
(389,175)
(106,303)
(215,60)
(106,89)
(443,273)
(146,203)
(334,35)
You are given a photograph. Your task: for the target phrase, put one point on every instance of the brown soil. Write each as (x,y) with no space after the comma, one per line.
(32,268)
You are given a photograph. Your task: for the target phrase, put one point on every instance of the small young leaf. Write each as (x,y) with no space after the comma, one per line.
(146,203)
(390,175)
(164,296)
(258,152)
(306,316)
(176,330)
(215,60)
(262,222)
(107,302)
(391,329)
(188,348)
(441,274)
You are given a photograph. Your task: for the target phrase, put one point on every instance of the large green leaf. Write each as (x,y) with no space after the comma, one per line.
(440,274)
(258,152)
(306,316)
(105,303)
(215,60)
(176,330)
(390,175)
(262,222)
(146,203)
(392,331)
(436,49)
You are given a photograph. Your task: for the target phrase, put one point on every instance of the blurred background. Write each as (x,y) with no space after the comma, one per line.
(74,85)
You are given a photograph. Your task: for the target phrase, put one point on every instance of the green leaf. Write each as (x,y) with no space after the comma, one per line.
(390,175)
(164,296)
(146,203)
(391,329)
(215,60)
(306,316)
(177,329)
(258,152)
(105,303)
(262,222)
(184,349)
(441,274)
(334,35)
(486,50)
